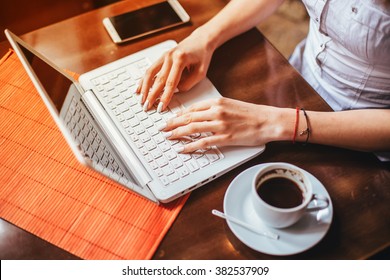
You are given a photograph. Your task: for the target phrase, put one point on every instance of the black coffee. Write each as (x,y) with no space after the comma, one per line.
(280,192)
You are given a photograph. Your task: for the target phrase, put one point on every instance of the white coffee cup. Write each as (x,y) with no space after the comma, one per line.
(281,194)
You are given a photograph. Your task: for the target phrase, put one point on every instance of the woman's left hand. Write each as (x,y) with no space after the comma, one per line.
(231,123)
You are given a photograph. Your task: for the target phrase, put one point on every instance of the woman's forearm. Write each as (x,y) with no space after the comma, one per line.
(235,18)
(365,130)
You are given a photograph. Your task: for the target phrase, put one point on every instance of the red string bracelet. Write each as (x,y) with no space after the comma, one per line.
(296,124)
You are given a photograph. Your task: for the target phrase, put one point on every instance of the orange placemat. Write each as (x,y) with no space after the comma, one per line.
(44,189)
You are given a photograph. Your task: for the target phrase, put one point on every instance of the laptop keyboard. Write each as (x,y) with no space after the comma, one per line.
(117,91)
(93,146)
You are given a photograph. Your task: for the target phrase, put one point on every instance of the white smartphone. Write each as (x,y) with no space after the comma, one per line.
(138,23)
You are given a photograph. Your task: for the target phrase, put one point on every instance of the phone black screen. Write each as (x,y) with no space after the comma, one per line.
(145,20)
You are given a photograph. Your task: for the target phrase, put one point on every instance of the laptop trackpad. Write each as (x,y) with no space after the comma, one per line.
(202,91)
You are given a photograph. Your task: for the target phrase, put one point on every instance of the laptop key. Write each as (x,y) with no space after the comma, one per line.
(104,80)
(176,163)
(197,154)
(139,129)
(139,144)
(144,151)
(162,161)
(133,122)
(183,171)
(164,146)
(121,118)
(212,156)
(164,180)
(137,109)
(148,123)
(128,114)
(185,157)
(100,87)
(142,116)
(132,102)
(168,170)
(159,172)
(203,161)
(159,138)
(153,165)
(104,161)
(192,165)
(149,158)
(156,153)
(150,145)
(145,137)
(153,131)
(171,155)
(123,107)
(173,177)
(134,137)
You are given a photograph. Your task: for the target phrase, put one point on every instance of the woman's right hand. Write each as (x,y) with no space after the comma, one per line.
(179,68)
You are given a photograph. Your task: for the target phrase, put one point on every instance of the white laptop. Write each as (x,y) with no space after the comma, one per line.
(103,122)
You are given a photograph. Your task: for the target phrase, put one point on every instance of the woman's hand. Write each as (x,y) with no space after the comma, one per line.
(179,68)
(231,122)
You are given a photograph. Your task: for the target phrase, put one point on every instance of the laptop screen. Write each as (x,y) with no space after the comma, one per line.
(54,83)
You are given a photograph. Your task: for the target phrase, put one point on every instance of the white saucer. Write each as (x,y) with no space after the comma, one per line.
(306,233)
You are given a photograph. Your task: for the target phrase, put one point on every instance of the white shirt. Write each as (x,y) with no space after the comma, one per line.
(346,55)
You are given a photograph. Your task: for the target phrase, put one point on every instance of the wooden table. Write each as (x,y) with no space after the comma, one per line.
(248,68)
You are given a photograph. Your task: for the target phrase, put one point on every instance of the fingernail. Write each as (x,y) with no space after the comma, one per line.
(162,126)
(167,134)
(146,105)
(141,96)
(178,149)
(160,107)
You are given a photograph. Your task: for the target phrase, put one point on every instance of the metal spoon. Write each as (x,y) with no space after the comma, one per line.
(245,225)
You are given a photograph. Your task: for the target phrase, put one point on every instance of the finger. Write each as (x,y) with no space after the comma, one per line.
(191,129)
(139,86)
(203,144)
(158,85)
(197,107)
(171,84)
(187,119)
(191,79)
(149,76)
(148,80)
(188,81)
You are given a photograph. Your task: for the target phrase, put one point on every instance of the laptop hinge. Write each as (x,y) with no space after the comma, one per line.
(121,146)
